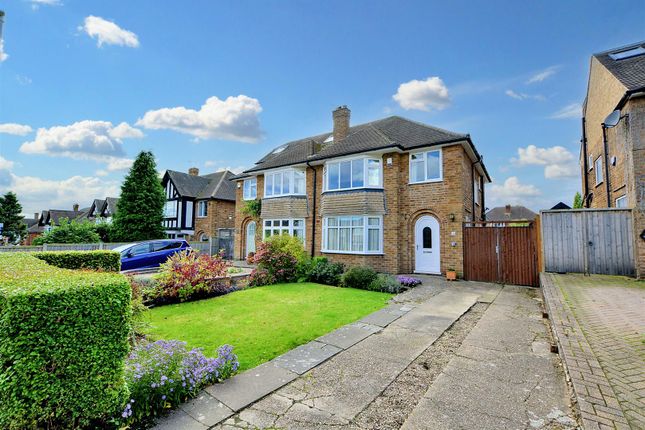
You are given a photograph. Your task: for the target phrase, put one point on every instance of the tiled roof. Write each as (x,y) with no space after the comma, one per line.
(518,213)
(629,71)
(390,132)
(215,185)
(55,215)
(110,205)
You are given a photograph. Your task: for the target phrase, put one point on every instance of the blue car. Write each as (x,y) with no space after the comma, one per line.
(150,254)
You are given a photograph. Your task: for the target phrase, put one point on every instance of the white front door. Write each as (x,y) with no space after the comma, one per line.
(427,245)
(250,237)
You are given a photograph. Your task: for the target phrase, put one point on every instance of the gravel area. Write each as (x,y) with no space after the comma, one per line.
(392,407)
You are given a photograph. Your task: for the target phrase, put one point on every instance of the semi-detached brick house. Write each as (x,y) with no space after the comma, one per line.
(391,194)
(612,153)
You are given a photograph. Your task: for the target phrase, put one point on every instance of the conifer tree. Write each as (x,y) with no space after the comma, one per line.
(13,227)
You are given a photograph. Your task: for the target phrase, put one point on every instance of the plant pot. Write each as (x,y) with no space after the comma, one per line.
(451,275)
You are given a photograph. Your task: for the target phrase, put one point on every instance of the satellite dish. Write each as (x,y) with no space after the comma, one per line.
(612,119)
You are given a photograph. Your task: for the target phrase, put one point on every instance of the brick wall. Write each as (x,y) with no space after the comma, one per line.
(404,204)
(220,214)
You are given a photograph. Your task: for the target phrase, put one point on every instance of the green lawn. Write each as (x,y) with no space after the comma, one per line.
(263,322)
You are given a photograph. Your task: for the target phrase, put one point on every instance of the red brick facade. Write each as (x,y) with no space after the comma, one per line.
(220,214)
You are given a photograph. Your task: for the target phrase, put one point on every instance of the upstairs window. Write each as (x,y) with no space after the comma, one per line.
(202,208)
(426,167)
(351,174)
(250,189)
(284,183)
(598,168)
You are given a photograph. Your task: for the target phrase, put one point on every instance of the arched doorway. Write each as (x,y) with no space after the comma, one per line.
(427,245)
(250,238)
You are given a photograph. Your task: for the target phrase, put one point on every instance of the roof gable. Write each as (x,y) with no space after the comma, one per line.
(213,186)
(629,71)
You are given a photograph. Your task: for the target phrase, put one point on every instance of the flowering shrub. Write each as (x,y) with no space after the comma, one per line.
(188,275)
(274,266)
(322,271)
(385,284)
(408,281)
(162,374)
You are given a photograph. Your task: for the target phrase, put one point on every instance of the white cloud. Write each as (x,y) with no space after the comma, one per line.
(524,96)
(573,110)
(512,191)
(15,129)
(5,171)
(35,4)
(5,164)
(84,140)
(543,75)
(235,118)
(23,80)
(3,54)
(107,32)
(558,161)
(219,166)
(431,93)
(36,194)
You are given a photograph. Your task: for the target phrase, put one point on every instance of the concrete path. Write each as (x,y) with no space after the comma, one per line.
(502,376)
(599,322)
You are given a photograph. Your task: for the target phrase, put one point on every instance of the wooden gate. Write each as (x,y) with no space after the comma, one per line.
(501,252)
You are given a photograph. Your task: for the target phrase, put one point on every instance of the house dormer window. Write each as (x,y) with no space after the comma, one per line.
(284,183)
(426,167)
(250,189)
(353,173)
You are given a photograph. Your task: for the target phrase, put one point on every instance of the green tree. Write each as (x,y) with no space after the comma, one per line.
(139,211)
(577,201)
(14,227)
(70,232)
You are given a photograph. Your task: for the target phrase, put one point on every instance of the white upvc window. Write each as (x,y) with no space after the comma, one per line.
(590,162)
(275,227)
(250,189)
(353,173)
(361,234)
(426,166)
(202,208)
(598,167)
(621,202)
(170,209)
(284,183)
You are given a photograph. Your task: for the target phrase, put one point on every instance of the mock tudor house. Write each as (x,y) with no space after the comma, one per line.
(100,210)
(612,150)
(391,194)
(48,219)
(197,207)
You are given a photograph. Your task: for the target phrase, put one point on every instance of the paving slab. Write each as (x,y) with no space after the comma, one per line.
(349,335)
(386,316)
(247,387)
(306,356)
(206,409)
(179,419)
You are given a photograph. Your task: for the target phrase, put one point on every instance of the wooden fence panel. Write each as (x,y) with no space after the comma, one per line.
(480,259)
(588,241)
(518,256)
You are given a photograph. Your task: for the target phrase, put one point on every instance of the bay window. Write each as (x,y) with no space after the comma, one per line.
(284,183)
(426,167)
(350,174)
(170,209)
(276,227)
(353,234)
(250,189)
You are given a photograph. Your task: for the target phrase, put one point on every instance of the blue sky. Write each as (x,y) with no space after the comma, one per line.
(218,84)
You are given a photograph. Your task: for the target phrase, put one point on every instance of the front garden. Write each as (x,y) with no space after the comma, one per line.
(82,346)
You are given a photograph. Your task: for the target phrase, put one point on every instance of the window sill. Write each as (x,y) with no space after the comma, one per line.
(432,181)
(249,199)
(284,195)
(375,254)
(344,190)
(599,184)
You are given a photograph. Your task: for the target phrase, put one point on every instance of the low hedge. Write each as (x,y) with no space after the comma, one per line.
(63,341)
(108,261)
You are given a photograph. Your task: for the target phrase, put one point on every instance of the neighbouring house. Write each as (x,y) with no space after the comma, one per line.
(612,152)
(50,218)
(391,194)
(100,210)
(510,213)
(197,207)
(561,206)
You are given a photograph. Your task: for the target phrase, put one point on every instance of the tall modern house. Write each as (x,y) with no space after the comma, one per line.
(391,194)
(612,153)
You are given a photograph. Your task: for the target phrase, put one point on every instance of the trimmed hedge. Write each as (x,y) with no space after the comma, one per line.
(107,261)
(63,341)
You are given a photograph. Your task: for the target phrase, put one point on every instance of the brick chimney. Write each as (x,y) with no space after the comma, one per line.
(75,207)
(193,171)
(507,210)
(341,122)
(36,216)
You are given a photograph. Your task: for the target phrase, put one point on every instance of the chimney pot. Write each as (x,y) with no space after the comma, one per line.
(193,171)
(75,207)
(341,122)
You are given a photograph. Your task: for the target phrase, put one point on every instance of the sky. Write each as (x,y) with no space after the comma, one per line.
(86,85)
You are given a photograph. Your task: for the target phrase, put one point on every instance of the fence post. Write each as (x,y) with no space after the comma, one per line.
(210,245)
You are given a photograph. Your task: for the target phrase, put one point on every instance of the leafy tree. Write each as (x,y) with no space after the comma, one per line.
(577,201)
(104,230)
(139,211)
(70,232)
(10,216)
